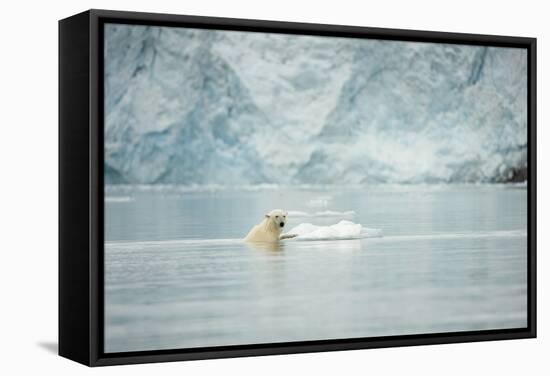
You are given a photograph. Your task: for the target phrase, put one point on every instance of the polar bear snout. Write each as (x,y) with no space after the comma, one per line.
(278,217)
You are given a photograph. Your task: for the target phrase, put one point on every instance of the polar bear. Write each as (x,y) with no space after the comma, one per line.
(269,230)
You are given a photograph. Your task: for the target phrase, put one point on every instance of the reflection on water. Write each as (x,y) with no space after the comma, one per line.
(177,274)
(271,247)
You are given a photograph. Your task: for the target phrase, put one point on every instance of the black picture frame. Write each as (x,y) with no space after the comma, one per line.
(81,187)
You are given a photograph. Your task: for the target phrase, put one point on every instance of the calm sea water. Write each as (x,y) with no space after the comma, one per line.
(451,259)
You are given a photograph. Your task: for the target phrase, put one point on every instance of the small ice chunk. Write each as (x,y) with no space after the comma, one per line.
(339,231)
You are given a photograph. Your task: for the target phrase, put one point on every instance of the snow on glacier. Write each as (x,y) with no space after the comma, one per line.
(197,107)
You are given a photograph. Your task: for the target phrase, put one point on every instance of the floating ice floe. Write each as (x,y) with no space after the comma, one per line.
(342,230)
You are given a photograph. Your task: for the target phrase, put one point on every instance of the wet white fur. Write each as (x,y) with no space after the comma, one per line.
(269,230)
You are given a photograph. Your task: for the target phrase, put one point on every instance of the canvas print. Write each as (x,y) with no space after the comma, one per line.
(269,188)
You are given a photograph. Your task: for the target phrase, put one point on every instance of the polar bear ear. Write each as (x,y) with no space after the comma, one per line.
(267,215)
(286,213)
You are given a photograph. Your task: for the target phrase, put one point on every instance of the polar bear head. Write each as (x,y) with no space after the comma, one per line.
(278,217)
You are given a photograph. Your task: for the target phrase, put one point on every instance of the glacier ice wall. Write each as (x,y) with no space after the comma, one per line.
(193,106)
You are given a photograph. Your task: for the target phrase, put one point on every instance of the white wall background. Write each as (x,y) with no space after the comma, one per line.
(28,162)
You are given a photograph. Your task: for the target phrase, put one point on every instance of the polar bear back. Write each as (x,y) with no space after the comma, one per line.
(265,232)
